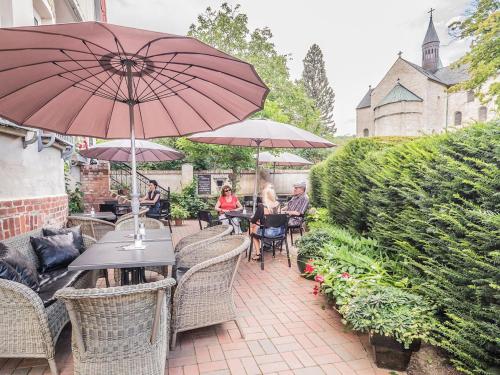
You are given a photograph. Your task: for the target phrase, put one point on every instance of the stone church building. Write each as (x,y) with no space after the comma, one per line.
(413,100)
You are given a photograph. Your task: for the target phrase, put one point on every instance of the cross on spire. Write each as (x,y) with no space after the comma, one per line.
(400,53)
(430,11)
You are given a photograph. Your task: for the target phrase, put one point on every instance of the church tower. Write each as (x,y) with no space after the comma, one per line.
(430,48)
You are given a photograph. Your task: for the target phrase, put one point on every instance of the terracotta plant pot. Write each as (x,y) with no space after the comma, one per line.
(178,222)
(390,353)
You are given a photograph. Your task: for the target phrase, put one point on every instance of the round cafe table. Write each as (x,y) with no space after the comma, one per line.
(108,216)
(240,215)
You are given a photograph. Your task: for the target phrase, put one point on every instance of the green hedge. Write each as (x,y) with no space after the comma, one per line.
(433,205)
(316,191)
(345,182)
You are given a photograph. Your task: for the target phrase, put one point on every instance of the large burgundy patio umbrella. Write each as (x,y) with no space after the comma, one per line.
(262,133)
(107,81)
(121,150)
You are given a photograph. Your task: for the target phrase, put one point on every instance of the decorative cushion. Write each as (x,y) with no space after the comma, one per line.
(21,264)
(53,281)
(77,235)
(54,251)
(7,272)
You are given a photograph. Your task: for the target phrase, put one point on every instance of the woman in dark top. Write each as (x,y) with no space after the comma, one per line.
(268,206)
(152,196)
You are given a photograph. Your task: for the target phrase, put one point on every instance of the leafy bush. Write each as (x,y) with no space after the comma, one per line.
(179,212)
(317,187)
(432,204)
(391,312)
(189,200)
(75,201)
(435,208)
(346,183)
(311,244)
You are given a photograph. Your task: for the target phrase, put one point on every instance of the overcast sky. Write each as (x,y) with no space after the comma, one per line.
(360,39)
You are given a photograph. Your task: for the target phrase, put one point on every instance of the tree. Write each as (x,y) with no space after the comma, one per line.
(482,26)
(316,84)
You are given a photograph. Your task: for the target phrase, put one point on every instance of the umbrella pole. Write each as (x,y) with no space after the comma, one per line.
(135,194)
(256,185)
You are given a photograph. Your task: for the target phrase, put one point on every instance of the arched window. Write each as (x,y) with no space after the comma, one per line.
(366,132)
(458,118)
(482,113)
(470,96)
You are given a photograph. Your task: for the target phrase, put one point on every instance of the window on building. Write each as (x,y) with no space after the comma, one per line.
(366,132)
(458,118)
(482,113)
(470,96)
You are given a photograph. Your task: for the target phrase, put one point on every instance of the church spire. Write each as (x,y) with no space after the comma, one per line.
(430,47)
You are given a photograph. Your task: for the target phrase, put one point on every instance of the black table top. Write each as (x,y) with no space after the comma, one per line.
(128,236)
(113,255)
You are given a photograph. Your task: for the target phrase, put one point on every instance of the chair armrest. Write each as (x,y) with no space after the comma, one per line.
(19,305)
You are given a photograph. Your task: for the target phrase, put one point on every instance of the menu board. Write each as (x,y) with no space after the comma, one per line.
(204,184)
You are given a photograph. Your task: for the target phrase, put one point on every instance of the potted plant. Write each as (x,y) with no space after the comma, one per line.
(123,189)
(178,213)
(396,320)
(310,245)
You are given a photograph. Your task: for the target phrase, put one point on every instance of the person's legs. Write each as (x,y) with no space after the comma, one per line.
(256,242)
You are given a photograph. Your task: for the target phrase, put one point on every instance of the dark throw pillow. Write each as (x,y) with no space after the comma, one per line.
(77,235)
(54,251)
(7,272)
(21,265)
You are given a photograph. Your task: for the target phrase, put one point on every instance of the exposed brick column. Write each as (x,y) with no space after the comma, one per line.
(95,184)
(24,215)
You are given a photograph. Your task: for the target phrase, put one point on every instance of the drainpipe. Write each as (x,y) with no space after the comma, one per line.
(446,120)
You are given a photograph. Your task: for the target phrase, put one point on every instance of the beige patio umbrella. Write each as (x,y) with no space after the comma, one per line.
(285,159)
(107,81)
(262,133)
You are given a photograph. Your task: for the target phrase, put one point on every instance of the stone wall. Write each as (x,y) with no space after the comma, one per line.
(24,215)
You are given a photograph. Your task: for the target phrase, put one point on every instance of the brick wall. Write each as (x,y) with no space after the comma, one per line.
(24,215)
(95,185)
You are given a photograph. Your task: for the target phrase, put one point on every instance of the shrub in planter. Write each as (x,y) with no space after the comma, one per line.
(310,246)
(396,320)
(178,213)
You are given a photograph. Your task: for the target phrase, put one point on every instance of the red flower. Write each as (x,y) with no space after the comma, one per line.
(345,275)
(320,279)
(315,290)
(309,268)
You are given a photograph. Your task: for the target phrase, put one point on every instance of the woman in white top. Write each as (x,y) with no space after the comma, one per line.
(269,205)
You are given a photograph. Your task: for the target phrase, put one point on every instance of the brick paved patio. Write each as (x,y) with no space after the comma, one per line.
(288,331)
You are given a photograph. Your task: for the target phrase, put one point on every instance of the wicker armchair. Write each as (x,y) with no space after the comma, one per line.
(214,232)
(28,329)
(204,295)
(149,223)
(130,215)
(121,330)
(92,227)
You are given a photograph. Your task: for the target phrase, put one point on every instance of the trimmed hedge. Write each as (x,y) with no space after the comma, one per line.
(316,192)
(433,205)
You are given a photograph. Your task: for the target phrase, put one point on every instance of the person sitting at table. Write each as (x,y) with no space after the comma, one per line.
(228,202)
(152,197)
(269,206)
(297,206)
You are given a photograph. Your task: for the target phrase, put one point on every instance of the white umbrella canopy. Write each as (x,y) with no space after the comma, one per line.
(121,150)
(262,133)
(286,159)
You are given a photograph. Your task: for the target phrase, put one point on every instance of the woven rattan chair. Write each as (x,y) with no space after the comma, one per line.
(203,235)
(90,226)
(27,328)
(148,223)
(120,330)
(204,295)
(142,213)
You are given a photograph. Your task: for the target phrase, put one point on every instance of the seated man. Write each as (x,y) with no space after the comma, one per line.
(297,205)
